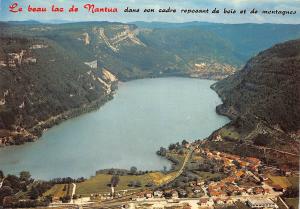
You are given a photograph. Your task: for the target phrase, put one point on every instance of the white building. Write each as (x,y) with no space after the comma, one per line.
(261,203)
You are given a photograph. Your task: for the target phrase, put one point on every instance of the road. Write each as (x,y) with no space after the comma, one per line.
(180,171)
(73,191)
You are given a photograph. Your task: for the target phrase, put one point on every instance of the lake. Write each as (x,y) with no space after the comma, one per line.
(127,131)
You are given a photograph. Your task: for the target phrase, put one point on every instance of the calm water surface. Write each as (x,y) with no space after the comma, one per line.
(127,131)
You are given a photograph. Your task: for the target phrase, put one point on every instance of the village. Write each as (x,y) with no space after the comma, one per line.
(205,179)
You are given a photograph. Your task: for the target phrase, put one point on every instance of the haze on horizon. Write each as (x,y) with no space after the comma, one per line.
(83,15)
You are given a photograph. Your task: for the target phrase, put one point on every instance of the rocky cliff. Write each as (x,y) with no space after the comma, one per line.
(263,102)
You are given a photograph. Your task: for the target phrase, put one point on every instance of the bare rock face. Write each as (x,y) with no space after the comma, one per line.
(117,36)
(263,102)
(86,38)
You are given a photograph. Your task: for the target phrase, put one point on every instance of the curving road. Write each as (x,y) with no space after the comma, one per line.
(187,157)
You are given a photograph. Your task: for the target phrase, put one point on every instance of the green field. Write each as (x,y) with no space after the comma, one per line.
(99,184)
(292,202)
(285,182)
(228,133)
(59,190)
(294,181)
(207,175)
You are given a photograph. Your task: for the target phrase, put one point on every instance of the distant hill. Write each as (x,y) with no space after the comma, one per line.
(246,39)
(263,100)
(141,49)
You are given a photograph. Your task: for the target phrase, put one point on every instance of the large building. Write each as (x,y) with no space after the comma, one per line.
(261,203)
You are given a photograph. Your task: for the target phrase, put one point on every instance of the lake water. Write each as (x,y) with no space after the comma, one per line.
(127,131)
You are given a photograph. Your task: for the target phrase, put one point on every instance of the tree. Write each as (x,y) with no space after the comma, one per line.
(149,184)
(162,152)
(34,193)
(184,142)
(49,198)
(131,184)
(66,199)
(25,176)
(172,146)
(133,170)
(262,140)
(165,169)
(291,192)
(114,180)
(181,152)
(75,197)
(138,184)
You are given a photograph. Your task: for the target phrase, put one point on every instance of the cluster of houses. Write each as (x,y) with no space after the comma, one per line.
(242,176)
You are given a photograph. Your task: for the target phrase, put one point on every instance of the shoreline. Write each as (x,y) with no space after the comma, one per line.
(38,130)
(22,136)
(34,133)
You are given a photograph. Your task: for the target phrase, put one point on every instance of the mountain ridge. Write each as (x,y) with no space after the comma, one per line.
(263,102)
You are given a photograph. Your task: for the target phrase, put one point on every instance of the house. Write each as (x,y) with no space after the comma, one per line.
(192,183)
(199,182)
(253,161)
(277,188)
(205,202)
(175,194)
(182,193)
(218,138)
(214,193)
(219,201)
(158,193)
(258,190)
(197,189)
(231,189)
(168,193)
(148,194)
(229,201)
(264,177)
